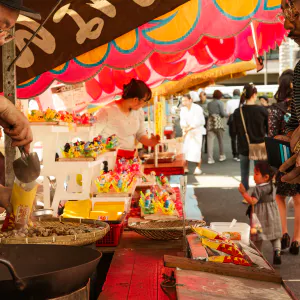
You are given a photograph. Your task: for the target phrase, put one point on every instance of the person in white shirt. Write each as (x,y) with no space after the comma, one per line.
(192,124)
(125,117)
(231,106)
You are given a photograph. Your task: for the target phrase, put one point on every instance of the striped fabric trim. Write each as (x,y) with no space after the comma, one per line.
(295,107)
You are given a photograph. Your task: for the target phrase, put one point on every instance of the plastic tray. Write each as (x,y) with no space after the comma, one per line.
(242,228)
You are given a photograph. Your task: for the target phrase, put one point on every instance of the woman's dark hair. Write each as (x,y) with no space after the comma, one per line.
(217,95)
(265,169)
(248,91)
(265,97)
(137,89)
(285,91)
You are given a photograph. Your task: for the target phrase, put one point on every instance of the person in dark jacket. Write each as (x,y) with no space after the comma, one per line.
(231,106)
(256,120)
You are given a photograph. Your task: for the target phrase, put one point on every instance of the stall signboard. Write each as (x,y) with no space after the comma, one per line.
(74,97)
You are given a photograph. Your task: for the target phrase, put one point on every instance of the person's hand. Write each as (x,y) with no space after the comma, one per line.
(5,37)
(242,189)
(15,124)
(295,138)
(5,194)
(154,140)
(292,177)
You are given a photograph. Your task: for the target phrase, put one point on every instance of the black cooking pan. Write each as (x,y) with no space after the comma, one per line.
(44,271)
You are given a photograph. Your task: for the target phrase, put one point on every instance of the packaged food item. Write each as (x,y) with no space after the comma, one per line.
(229,260)
(223,246)
(234,236)
(22,199)
(208,233)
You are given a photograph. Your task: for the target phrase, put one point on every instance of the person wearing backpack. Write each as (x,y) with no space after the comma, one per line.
(279,115)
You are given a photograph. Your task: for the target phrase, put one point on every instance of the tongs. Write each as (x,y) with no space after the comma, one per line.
(27,168)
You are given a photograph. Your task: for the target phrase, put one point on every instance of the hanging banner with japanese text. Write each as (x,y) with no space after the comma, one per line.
(77,27)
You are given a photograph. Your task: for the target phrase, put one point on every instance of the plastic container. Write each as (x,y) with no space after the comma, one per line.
(242,228)
(107,211)
(111,201)
(78,209)
(113,237)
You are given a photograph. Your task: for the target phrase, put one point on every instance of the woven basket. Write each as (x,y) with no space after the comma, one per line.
(164,230)
(68,240)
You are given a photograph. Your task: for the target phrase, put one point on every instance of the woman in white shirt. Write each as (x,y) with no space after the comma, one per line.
(192,122)
(125,117)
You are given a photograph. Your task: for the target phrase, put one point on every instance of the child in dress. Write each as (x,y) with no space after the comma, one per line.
(265,207)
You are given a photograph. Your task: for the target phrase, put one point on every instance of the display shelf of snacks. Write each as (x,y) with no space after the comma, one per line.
(157,201)
(88,151)
(62,118)
(120,182)
(88,171)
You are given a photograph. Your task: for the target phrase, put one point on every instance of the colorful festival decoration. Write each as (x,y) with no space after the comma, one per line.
(184,41)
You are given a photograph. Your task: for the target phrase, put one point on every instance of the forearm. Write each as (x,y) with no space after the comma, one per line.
(249,199)
(5,106)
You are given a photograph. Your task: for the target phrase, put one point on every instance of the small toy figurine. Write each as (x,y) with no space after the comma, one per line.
(164,180)
(67,147)
(120,183)
(98,139)
(87,147)
(92,119)
(102,182)
(112,142)
(167,203)
(105,166)
(85,119)
(146,203)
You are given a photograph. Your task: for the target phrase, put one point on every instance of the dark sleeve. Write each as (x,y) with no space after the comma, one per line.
(265,116)
(293,122)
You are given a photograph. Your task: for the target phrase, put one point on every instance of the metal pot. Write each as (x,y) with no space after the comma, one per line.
(44,271)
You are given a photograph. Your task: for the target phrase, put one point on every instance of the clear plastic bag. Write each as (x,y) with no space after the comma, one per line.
(256,227)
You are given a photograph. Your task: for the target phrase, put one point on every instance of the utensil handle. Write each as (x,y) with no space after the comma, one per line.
(24,155)
(19,283)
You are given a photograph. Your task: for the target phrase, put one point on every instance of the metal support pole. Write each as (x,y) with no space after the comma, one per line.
(266,69)
(149,126)
(9,88)
(183,186)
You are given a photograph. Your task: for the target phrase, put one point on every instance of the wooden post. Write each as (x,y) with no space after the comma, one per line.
(9,88)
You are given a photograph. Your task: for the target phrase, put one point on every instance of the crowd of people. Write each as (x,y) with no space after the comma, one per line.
(250,119)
